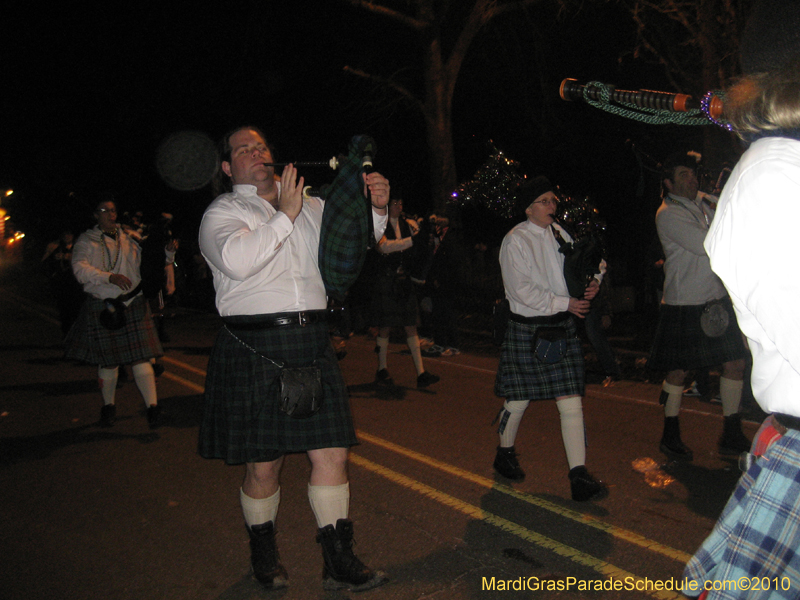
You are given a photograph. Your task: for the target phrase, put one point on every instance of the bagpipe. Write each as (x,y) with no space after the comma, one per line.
(188,161)
(648,106)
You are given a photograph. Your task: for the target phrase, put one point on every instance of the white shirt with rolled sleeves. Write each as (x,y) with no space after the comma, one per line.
(753,248)
(261,262)
(682,226)
(533,270)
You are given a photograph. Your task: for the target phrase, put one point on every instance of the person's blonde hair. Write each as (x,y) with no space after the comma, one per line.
(765,102)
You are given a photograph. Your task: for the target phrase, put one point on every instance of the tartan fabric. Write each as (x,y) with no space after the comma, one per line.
(345,226)
(89,341)
(242,421)
(394,302)
(758,533)
(680,342)
(521,376)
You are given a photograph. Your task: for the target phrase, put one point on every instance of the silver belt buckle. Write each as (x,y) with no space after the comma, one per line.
(302,318)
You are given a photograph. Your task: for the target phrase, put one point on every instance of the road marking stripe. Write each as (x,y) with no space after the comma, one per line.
(183,365)
(475,512)
(191,385)
(617,532)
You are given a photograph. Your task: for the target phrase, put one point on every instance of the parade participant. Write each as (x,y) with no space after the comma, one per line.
(757,536)
(394,299)
(114,326)
(697,327)
(533,278)
(66,290)
(261,241)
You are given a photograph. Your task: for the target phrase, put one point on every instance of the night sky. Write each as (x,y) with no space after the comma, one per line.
(90,91)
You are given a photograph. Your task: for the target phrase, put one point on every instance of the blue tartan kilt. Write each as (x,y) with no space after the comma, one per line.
(758,533)
(521,376)
(89,341)
(242,421)
(681,343)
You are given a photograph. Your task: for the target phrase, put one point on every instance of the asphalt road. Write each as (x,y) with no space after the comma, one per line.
(127,513)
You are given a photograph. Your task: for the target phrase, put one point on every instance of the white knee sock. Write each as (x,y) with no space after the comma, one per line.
(416,354)
(146,382)
(383,350)
(510,418)
(572,431)
(107,380)
(329,503)
(730,392)
(258,511)
(674,395)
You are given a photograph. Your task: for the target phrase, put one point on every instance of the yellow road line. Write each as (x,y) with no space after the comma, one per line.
(475,512)
(617,532)
(191,385)
(183,365)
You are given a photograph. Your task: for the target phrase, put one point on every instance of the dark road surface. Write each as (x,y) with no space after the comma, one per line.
(126,513)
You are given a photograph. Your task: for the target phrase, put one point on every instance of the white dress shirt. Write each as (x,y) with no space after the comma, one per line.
(533,270)
(753,248)
(261,262)
(95,259)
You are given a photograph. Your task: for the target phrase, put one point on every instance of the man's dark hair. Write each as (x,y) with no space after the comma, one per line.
(221,182)
(673,161)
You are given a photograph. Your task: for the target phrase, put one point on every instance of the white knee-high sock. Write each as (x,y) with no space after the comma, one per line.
(510,418)
(146,382)
(329,503)
(730,392)
(107,380)
(674,394)
(258,511)
(572,431)
(416,354)
(383,350)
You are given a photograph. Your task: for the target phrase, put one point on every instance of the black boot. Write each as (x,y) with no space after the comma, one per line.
(108,415)
(342,569)
(506,463)
(264,557)
(733,442)
(584,487)
(671,443)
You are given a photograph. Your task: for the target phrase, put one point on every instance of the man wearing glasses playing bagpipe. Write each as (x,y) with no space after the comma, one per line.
(541,356)
(274,386)
(697,327)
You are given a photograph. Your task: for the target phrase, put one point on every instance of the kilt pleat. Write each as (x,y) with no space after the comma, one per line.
(242,421)
(681,343)
(758,533)
(394,302)
(521,376)
(89,341)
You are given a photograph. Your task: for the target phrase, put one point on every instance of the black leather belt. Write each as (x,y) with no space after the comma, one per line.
(548,320)
(787,421)
(302,318)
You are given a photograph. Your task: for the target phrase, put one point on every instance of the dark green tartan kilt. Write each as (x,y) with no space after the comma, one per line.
(681,343)
(89,341)
(521,376)
(394,302)
(242,421)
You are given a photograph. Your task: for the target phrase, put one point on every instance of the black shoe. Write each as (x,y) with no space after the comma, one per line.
(425,379)
(383,377)
(506,463)
(584,487)
(342,569)
(671,443)
(154,416)
(108,414)
(733,441)
(264,557)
